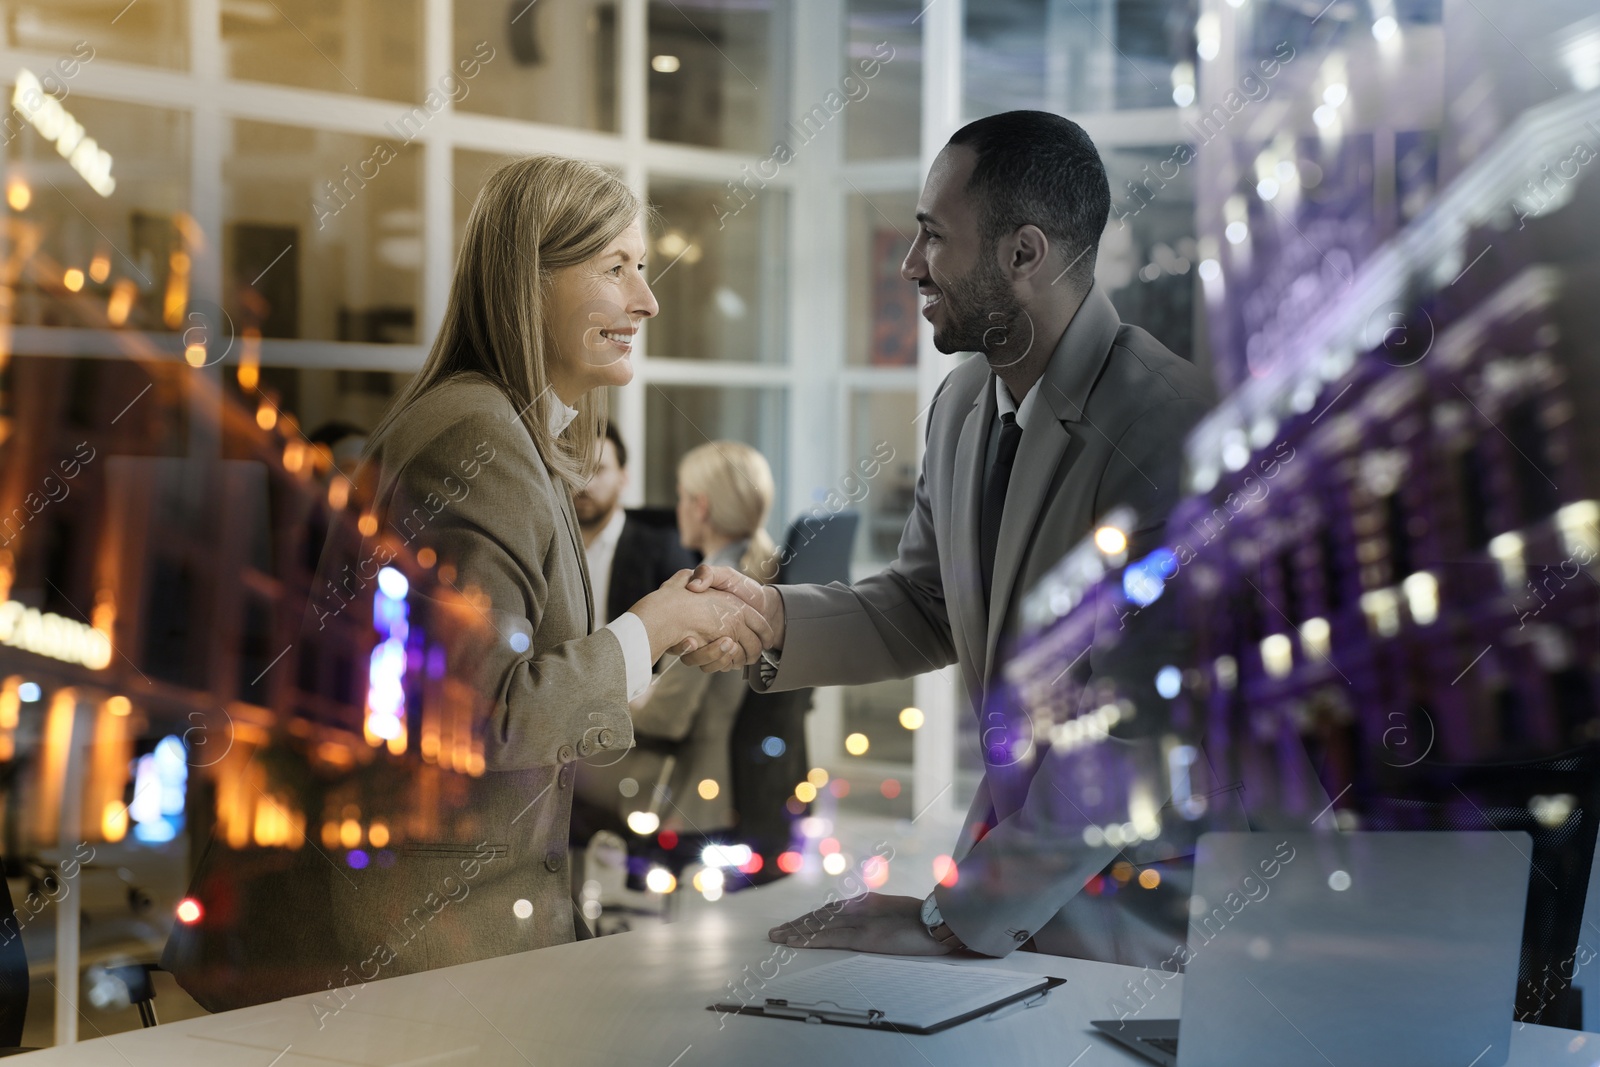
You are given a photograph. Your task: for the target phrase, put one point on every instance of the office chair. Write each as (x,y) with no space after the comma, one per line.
(14,965)
(660,518)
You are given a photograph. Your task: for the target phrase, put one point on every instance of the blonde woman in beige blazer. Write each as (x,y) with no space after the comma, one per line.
(476,464)
(549,294)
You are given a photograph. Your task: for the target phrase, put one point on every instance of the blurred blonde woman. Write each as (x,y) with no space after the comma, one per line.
(680,769)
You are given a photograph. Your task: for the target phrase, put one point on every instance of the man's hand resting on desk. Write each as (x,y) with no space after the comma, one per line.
(761,598)
(871,923)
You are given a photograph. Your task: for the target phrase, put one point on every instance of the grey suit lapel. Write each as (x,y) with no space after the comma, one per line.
(971,449)
(1044,442)
(1064,391)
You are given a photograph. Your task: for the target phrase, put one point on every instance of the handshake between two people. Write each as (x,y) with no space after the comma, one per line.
(714,618)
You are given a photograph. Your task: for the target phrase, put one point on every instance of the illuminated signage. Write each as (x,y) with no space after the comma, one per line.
(45,634)
(56,124)
(386,672)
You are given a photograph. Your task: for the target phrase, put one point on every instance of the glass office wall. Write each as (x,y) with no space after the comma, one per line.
(153,32)
(322,236)
(366,48)
(551,63)
(717,73)
(718,267)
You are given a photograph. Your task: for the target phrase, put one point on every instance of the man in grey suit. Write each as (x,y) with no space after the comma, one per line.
(1069,414)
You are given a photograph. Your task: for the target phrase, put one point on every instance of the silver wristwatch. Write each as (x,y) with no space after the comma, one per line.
(938,929)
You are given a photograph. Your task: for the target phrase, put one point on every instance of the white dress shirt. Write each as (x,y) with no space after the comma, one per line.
(601,555)
(628,627)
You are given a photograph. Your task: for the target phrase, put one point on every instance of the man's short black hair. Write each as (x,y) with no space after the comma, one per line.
(610,434)
(1039,168)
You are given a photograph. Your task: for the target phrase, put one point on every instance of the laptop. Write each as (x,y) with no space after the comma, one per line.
(1353,949)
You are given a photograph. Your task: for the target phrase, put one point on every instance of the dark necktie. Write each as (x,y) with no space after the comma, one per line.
(994,497)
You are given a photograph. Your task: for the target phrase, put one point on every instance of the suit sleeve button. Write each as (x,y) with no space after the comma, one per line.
(565,754)
(552,861)
(584,748)
(1021,936)
(604,738)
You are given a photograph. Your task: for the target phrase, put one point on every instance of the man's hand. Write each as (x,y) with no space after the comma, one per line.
(760,598)
(678,619)
(870,923)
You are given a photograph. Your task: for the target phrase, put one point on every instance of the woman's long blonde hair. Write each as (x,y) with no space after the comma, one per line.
(737,483)
(533,217)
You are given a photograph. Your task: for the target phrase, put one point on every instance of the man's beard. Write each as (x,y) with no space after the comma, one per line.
(591,511)
(982,314)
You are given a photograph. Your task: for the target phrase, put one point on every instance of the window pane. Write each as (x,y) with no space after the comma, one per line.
(471,170)
(119,260)
(341,265)
(879,780)
(882,306)
(1148,256)
(151,31)
(884,429)
(361,47)
(712,71)
(680,417)
(553,63)
(882,39)
(716,266)
(1067,55)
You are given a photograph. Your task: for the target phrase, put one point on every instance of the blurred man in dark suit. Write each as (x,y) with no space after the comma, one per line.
(627,558)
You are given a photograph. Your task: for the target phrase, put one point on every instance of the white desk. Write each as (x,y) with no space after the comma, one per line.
(640,998)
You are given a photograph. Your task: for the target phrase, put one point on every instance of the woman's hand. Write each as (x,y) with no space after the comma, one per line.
(763,598)
(677,618)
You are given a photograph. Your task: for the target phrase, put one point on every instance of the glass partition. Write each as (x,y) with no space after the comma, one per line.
(322,235)
(883,52)
(882,307)
(554,63)
(104,240)
(368,48)
(154,32)
(717,265)
(714,69)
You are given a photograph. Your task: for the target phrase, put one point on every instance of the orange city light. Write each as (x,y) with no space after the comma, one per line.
(189,911)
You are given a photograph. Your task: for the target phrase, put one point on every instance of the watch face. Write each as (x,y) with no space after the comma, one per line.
(930,911)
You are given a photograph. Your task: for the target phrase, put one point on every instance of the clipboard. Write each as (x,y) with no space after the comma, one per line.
(857,1011)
